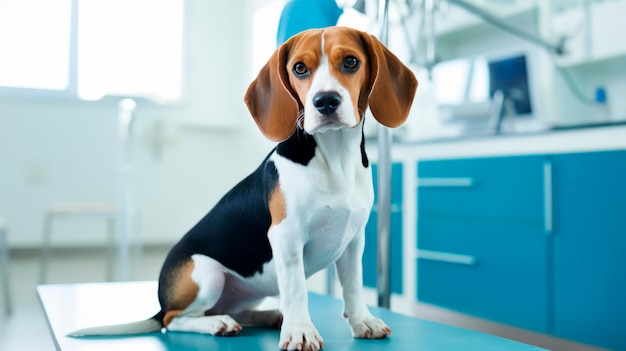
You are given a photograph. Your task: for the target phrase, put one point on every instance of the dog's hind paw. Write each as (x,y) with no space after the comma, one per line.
(223,325)
(219,325)
(300,336)
(370,328)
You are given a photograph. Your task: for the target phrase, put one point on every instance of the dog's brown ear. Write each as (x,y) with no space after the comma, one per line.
(392,84)
(270,99)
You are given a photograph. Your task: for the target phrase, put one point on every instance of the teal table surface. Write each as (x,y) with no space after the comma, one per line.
(71,306)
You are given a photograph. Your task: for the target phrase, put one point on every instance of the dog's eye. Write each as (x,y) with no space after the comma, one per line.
(350,64)
(300,70)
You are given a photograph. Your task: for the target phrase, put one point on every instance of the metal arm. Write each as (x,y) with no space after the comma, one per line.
(496,21)
(384,188)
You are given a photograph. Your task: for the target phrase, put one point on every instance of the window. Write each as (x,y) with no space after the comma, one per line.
(264,27)
(93,48)
(35,43)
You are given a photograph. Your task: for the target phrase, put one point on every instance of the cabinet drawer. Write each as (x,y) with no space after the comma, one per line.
(509,188)
(492,271)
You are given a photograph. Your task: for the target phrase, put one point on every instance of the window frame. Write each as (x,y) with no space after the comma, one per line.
(70,93)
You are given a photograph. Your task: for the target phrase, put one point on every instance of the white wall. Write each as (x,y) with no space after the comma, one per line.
(185,156)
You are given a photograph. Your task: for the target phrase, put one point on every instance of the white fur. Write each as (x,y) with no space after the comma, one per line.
(215,325)
(208,274)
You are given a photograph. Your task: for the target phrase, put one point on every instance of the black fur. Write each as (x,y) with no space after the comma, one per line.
(242,215)
(364,160)
(299,148)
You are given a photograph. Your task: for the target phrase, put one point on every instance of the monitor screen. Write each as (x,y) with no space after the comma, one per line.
(511,77)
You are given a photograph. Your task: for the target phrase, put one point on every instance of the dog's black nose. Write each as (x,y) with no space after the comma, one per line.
(327,102)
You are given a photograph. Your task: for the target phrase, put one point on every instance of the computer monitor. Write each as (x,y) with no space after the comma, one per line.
(510,76)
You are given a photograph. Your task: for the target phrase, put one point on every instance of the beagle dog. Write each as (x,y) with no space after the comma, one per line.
(305,207)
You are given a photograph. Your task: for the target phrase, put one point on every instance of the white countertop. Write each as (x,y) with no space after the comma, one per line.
(558,141)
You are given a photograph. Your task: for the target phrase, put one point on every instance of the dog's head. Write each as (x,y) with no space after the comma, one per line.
(324,79)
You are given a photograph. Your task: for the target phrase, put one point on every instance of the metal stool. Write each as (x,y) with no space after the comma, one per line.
(4,267)
(105,212)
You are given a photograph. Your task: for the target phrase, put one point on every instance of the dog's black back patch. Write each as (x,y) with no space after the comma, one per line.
(234,232)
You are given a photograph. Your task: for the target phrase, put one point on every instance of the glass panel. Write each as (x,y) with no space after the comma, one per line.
(130,48)
(35,43)
(265,25)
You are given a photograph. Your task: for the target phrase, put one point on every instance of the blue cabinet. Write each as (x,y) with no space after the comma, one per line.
(533,241)
(482,245)
(371,240)
(590,248)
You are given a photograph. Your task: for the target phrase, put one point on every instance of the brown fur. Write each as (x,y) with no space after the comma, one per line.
(278,208)
(183,292)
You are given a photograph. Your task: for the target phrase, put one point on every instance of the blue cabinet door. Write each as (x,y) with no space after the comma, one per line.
(482,244)
(590,248)
(371,238)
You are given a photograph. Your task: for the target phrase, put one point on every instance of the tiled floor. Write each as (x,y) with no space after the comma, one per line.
(26,329)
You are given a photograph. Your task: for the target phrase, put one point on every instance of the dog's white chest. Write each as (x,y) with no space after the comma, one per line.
(328,210)
(331,230)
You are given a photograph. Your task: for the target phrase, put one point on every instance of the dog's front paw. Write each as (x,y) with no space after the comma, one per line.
(300,336)
(370,328)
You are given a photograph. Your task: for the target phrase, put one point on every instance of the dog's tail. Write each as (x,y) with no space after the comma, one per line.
(150,325)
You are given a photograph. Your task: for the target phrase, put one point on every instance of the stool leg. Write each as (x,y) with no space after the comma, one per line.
(44,260)
(110,247)
(4,265)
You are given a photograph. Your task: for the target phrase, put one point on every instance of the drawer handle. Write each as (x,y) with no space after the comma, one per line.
(445,182)
(446,257)
(395,208)
(547,197)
